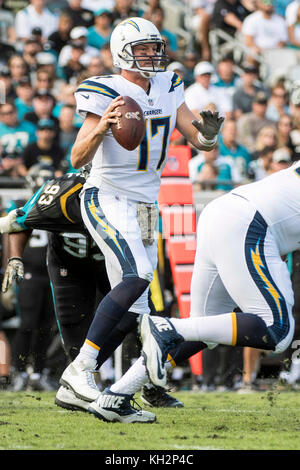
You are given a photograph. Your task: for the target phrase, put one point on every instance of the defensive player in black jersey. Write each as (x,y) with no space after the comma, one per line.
(77,273)
(35,310)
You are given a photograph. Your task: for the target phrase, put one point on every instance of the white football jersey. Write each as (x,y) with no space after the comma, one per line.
(277,198)
(135,174)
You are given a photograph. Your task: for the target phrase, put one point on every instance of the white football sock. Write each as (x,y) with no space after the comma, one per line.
(87,351)
(133,380)
(107,371)
(220,329)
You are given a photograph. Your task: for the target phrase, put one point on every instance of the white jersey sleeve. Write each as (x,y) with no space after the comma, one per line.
(178,87)
(93,96)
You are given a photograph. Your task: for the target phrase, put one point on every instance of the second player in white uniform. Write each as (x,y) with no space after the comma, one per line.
(241,239)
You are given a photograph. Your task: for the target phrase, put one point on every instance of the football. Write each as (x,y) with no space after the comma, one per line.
(130,129)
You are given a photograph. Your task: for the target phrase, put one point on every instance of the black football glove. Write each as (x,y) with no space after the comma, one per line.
(14,272)
(209,125)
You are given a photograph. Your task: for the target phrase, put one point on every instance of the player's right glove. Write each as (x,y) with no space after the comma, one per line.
(14,273)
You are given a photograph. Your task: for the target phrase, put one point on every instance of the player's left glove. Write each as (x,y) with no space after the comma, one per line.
(14,272)
(208,126)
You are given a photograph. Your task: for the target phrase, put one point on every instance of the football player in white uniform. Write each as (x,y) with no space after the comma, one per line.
(118,199)
(242,238)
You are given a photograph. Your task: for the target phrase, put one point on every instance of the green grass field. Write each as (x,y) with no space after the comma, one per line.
(223,421)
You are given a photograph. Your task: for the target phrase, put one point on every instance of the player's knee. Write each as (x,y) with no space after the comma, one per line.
(147,276)
(142,270)
(123,296)
(137,283)
(254,332)
(285,336)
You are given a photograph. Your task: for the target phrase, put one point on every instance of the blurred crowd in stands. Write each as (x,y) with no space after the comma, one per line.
(240,57)
(49,47)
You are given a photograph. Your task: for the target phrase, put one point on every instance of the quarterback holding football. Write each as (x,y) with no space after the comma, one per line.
(118,198)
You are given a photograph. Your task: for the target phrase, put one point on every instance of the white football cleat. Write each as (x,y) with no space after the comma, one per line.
(116,407)
(158,336)
(79,377)
(66,398)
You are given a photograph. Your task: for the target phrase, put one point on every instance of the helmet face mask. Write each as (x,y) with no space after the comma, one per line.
(134,32)
(158,61)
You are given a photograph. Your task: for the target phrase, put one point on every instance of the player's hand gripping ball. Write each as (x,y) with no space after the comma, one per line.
(130,129)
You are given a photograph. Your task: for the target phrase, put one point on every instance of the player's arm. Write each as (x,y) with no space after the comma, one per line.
(15,269)
(92,132)
(17,243)
(202,133)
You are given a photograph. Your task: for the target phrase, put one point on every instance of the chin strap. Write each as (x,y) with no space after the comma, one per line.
(147,74)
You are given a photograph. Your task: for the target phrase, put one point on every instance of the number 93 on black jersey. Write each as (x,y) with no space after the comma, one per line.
(55,206)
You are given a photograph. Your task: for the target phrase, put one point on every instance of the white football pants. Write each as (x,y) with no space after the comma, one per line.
(112,222)
(238,264)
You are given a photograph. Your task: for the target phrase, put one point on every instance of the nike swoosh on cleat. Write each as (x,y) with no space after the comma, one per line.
(159,372)
(85,96)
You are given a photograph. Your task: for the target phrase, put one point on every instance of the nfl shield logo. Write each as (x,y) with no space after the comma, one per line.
(63,272)
(150,101)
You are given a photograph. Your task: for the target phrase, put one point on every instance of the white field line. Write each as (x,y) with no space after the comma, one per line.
(194,447)
(236,410)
